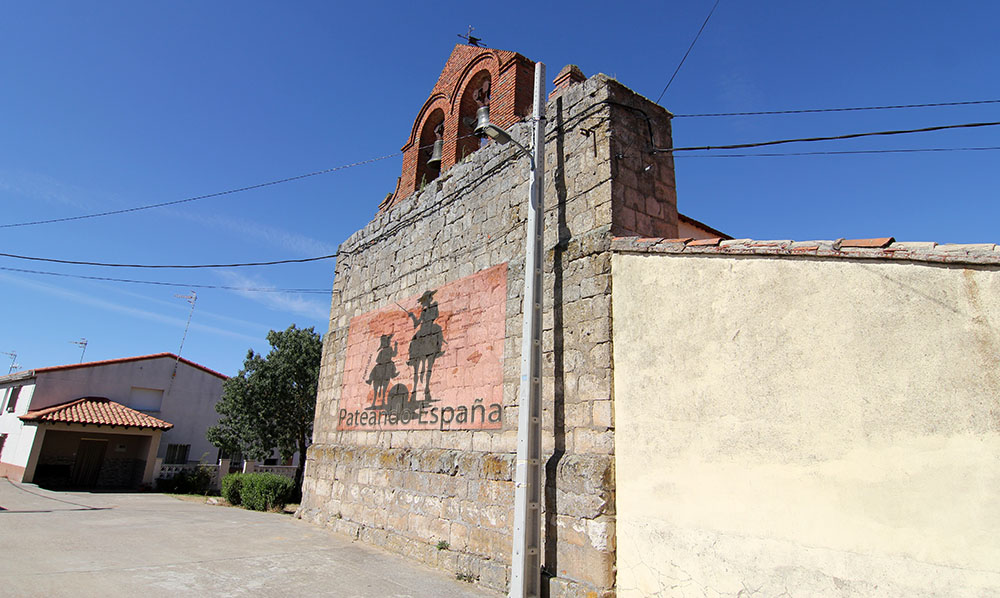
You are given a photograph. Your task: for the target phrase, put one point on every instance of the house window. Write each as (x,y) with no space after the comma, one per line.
(12,401)
(235,456)
(177,454)
(145,399)
(3,440)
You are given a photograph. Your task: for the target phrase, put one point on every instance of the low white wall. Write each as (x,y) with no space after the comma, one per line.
(18,444)
(803,427)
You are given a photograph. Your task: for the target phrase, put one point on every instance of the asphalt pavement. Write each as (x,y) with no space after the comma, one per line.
(84,544)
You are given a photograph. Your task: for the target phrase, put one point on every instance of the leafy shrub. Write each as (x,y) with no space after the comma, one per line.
(197,480)
(231,485)
(265,491)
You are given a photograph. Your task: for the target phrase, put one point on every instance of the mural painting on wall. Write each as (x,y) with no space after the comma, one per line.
(429,362)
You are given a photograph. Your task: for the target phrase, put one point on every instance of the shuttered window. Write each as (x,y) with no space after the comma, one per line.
(177,454)
(12,401)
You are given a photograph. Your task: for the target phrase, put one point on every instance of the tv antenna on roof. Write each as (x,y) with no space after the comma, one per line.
(472,41)
(81,343)
(190,299)
(13,360)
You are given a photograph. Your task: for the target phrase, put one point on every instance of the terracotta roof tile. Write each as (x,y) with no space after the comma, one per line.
(879,242)
(97,411)
(769,243)
(912,246)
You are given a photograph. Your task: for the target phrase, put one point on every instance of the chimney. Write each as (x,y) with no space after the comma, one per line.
(569,75)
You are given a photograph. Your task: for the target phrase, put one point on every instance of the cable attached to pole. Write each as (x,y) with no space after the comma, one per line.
(656,150)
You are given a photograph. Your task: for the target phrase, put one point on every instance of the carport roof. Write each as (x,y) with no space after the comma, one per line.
(97,411)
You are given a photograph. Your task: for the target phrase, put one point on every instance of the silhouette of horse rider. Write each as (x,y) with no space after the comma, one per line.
(384,370)
(425,347)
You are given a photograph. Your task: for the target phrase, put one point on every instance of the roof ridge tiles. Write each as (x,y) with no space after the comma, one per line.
(128,359)
(874,248)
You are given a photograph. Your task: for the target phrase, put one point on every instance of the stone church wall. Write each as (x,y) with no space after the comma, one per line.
(434,283)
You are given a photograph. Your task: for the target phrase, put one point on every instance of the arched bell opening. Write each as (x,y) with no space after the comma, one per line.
(431,148)
(475,104)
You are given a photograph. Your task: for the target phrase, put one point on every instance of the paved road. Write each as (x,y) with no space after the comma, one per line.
(149,545)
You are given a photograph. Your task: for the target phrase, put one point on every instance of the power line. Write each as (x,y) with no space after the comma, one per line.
(850,109)
(170,284)
(882,151)
(399,225)
(200,197)
(830,138)
(681,63)
(218,194)
(382,234)
(174,266)
(654,150)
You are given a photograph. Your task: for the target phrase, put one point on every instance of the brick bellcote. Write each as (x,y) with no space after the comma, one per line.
(471,77)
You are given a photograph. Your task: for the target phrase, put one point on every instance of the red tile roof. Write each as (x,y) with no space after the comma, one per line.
(127,359)
(883,248)
(98,411)
(698,224)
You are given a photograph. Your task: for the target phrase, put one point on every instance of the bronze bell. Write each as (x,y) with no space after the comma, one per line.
(482,120)
(436,152)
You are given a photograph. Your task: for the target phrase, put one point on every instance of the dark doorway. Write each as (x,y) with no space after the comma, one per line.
(89,458)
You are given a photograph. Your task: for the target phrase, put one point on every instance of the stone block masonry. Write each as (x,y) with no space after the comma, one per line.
(444,495)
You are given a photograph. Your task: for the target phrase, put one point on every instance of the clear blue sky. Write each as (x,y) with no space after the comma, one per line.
(109,105)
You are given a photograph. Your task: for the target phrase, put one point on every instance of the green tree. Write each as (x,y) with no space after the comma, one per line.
(271,402)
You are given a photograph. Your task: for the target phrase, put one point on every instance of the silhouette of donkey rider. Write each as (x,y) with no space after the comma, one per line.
(425,347)
(384,370)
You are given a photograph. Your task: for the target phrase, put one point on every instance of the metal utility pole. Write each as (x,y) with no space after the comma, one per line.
(525,577)
(81,343)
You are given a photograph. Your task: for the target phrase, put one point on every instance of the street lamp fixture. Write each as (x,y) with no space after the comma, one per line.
(493,131)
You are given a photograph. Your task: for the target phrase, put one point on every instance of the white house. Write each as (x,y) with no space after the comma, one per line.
(104,423)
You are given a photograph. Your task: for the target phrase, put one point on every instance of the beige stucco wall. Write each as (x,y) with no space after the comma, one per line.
(805,427)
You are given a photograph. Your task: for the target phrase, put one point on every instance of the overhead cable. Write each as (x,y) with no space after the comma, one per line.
(830,138)
(200,197)
(850,109)
(400,224)
(218,194)
(681,63)
(845,152)
(172,284)
(173,266)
